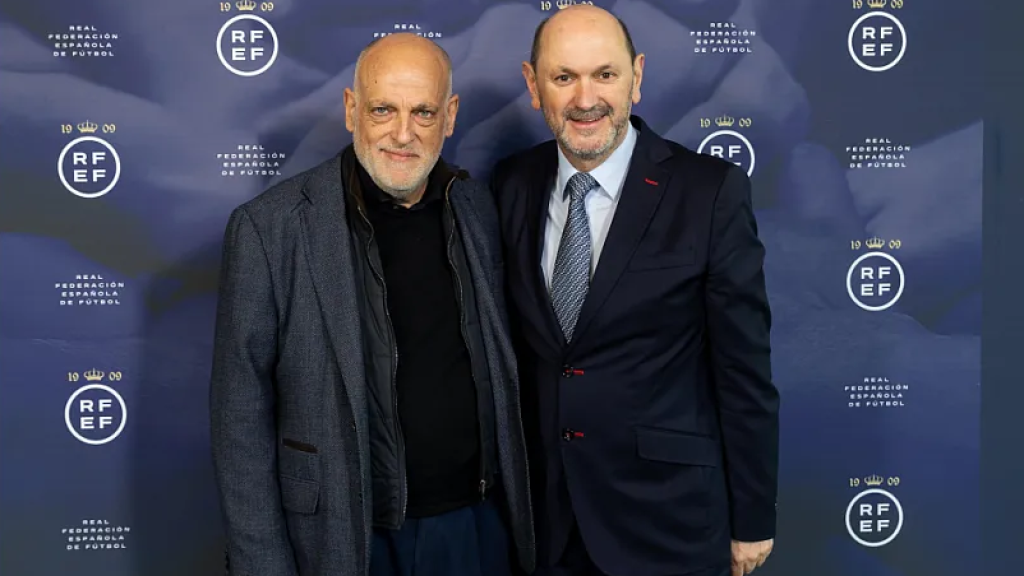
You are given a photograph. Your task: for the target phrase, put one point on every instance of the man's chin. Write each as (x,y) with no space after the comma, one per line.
(588,149)
(401,173)
(398,187)
(399,195)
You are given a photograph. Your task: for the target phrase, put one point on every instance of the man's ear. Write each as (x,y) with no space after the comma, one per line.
(452,110)
(638,76)
(530,75)
(350,109)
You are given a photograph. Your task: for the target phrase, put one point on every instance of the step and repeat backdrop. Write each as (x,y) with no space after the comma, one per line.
(131,129)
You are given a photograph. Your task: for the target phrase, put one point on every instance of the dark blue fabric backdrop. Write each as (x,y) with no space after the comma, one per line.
(130,130)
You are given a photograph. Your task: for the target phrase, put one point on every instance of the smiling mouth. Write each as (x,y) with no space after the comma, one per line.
(400,156)
(586,123)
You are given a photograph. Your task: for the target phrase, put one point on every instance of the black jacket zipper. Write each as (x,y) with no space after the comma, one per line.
(465,338)
(399,438)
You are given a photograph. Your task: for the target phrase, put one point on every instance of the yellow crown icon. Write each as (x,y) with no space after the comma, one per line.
(88,127)
(874,243)
(563,4)
(877,3)
(725,120)
(246,5)
(95,375)
(874,480)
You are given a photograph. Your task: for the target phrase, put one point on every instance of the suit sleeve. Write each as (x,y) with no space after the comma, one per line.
(739,323)
(528,402)
(497,181)
(242,430)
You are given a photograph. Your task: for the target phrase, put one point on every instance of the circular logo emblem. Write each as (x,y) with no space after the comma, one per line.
(89,167)
(874,518)
(877,41)
(95,414)
(875,281)
(247,45)
(732,146)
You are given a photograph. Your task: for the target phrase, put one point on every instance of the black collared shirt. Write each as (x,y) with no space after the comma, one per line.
(436,394)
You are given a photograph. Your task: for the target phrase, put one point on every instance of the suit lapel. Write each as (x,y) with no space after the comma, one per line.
(538,194)
(329,254)
(642,191)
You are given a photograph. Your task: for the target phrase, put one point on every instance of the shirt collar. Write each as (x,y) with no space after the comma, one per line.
(610,174)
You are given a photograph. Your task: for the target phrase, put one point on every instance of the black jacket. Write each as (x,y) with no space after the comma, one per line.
(387,450)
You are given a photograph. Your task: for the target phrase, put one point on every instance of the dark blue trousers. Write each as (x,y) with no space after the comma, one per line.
(471,541)
(576,561)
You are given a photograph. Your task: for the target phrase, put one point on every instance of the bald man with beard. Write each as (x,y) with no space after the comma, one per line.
(364,397)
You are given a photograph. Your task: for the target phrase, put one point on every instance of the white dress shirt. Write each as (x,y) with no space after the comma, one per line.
(600,203)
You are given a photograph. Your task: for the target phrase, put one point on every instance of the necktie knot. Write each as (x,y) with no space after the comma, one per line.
(579,185)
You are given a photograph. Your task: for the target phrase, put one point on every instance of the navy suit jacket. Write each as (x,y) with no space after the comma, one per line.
(657,426)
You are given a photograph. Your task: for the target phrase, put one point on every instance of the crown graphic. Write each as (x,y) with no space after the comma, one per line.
(563,4)
(874,243)
(725,120)
(95,375)
(874,480)
(877,3)
(250,5)
(88,127)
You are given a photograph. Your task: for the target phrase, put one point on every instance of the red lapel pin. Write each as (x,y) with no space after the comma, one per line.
(651,182)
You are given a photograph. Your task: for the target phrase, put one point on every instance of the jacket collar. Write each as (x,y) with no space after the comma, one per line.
(345,163)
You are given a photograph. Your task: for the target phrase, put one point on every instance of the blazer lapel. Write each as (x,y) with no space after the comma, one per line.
(331,263)
(642,190)
(538,194)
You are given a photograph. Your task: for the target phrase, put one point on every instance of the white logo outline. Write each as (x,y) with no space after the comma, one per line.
(71,401)
(224,61)
(105,144)
(899,521)
(741,137)
(849,283)
(903,45)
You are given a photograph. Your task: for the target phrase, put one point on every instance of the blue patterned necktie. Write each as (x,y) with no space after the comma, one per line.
(570,279)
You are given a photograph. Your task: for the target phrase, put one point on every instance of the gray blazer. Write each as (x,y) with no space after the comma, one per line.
(288,399)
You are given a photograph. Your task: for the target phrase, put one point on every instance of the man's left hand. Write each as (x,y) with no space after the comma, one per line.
(749,555)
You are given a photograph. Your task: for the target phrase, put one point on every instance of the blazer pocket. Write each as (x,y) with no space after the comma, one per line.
(674,447)
(663,260)
(298,495)
(300,446)
(298,460)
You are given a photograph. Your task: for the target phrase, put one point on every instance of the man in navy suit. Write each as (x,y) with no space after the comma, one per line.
(642,324)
